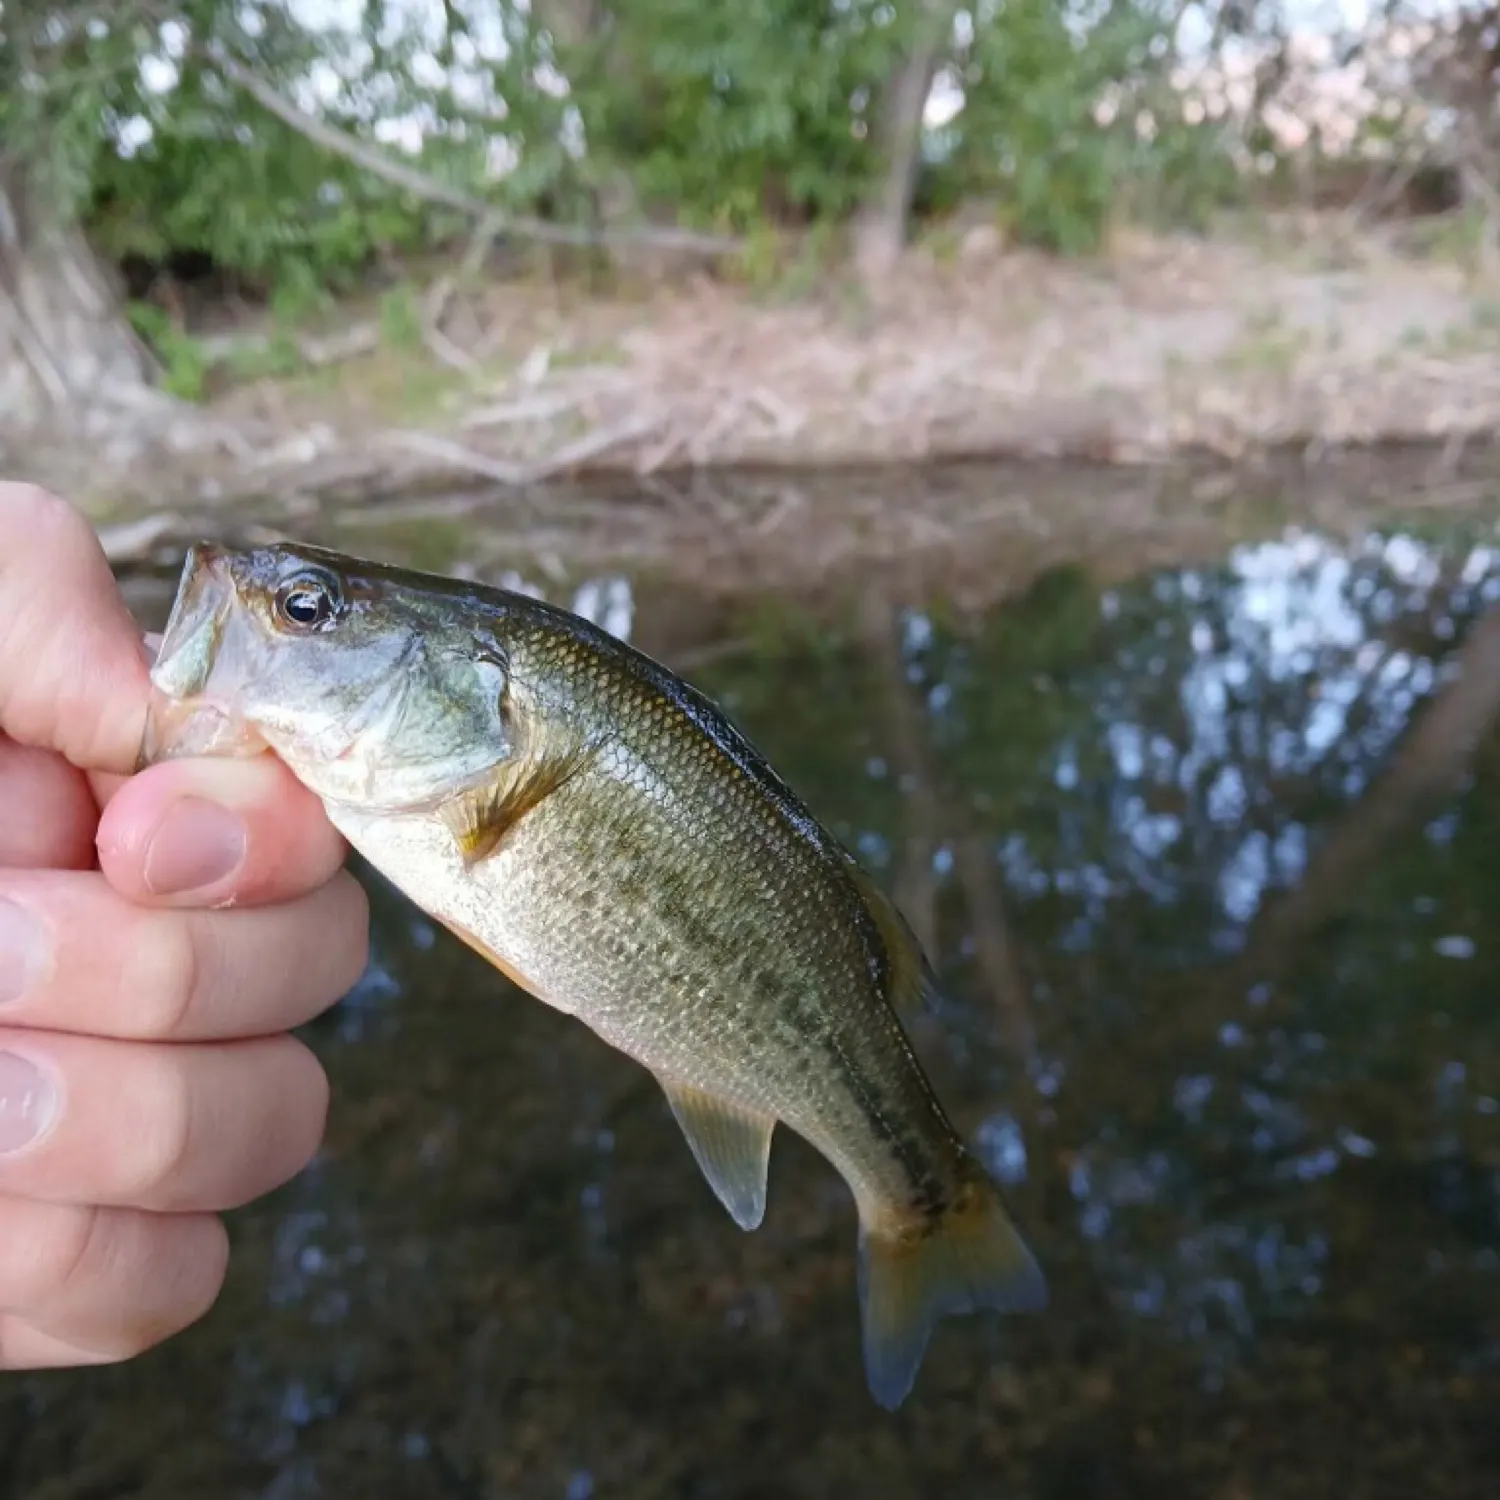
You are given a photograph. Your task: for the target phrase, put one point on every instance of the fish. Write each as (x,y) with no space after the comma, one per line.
(602,833)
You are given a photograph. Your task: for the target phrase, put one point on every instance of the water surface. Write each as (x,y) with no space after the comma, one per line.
(1209,863)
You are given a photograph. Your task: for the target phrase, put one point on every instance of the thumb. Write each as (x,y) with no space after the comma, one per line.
(73,676)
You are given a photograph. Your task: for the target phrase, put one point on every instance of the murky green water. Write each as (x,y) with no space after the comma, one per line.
(1210,865)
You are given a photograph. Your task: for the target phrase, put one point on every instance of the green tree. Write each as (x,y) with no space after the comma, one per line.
(128,120)
(260,136)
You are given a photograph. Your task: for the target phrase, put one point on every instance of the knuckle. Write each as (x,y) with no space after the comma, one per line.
(80,1253)
(107,1283)
(168,952)
(309,1085)
(283,1138)
(321,1094)
(211,1267)
(161,1151)
(51,1250)
(214,1258)
(192,1257)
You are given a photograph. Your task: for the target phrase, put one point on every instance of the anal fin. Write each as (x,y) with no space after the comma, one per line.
(731,1144)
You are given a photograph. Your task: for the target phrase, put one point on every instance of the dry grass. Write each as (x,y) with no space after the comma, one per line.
(1169,343)
(1167,346)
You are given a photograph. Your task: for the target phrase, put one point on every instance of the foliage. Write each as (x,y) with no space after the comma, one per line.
(738,113)
(752,117)
(184,366)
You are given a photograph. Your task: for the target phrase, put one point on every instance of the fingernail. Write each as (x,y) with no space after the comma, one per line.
(23,951)
(196,844)
(28,1101)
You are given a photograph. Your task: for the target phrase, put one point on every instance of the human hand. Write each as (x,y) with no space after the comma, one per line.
(152,958)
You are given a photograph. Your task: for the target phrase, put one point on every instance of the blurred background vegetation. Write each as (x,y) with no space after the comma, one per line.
(266,139)
(162,156)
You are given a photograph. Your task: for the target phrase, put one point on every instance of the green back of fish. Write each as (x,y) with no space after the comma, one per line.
(733,944)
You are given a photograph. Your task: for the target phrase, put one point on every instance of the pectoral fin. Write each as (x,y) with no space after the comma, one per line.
(480,817)
(732,1146)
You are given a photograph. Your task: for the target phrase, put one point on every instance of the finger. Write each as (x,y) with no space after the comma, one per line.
(104,784)
(171,1127)
(73,675)
(91,1285)
(47,813)
(76,956)
(216,833)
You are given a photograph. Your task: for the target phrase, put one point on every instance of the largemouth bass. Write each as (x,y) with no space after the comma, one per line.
(601,833)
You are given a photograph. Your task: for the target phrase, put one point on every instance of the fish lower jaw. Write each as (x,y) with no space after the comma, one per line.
(178,728)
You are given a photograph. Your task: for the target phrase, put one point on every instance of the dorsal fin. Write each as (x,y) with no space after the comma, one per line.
(913,984)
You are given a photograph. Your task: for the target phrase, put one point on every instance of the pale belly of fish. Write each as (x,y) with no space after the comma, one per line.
(628,975)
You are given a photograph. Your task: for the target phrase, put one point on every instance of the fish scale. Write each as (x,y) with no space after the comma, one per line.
(601,832)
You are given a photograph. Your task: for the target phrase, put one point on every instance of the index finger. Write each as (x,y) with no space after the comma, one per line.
(73,676)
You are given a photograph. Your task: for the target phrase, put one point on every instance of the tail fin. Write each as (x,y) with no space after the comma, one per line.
(969,1258)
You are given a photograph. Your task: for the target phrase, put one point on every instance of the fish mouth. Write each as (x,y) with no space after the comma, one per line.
(184,717)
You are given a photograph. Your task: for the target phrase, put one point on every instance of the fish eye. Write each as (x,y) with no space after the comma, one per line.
(310,601)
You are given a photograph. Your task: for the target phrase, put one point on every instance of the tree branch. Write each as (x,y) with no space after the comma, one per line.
(432,190)
(935,815)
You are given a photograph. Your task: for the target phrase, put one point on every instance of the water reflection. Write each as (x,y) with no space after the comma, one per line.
(1207,864)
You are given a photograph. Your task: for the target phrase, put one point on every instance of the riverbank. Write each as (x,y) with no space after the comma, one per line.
(1218,352)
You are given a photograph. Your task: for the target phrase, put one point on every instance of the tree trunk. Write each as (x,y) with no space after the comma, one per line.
(67,355)
(581,31)
(880,232)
